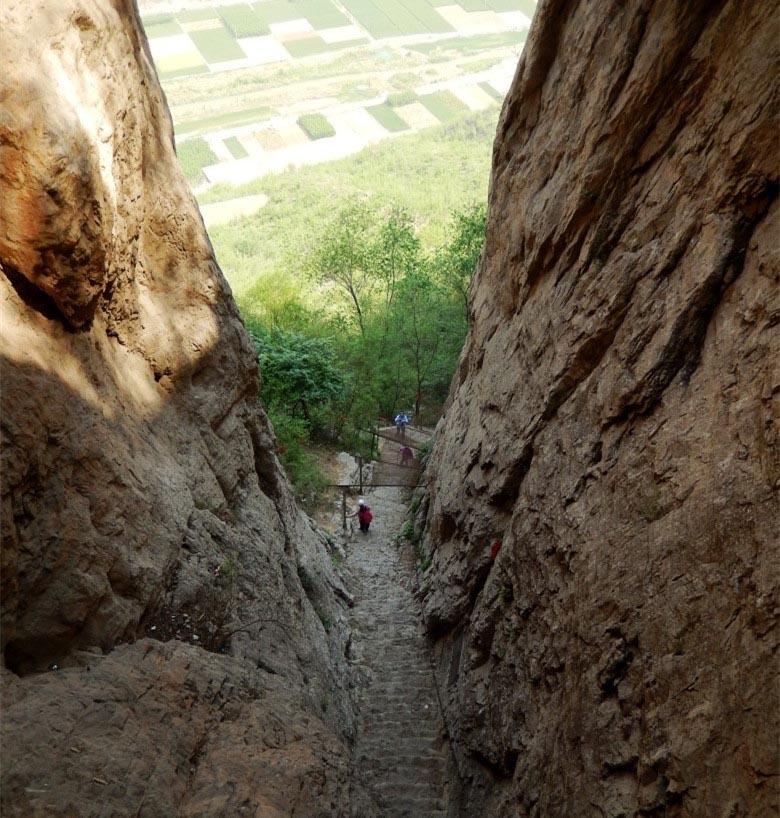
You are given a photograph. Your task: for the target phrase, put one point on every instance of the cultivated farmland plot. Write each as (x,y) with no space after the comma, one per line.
(255,87)
(213,38)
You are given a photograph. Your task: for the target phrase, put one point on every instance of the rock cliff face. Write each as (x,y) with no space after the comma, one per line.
(140,493)
(614,424)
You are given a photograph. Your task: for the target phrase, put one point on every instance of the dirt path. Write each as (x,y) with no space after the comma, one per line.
(401,754)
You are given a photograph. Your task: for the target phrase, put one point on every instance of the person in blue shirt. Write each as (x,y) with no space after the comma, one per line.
(401,421)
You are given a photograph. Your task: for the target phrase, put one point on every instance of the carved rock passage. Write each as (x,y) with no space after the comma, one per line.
(140,493)
(615,424)
(402,757)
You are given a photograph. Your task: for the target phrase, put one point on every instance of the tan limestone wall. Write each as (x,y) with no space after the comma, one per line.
(615,424)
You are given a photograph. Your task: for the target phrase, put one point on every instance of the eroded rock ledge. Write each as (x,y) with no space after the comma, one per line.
(615,425)
(141,496)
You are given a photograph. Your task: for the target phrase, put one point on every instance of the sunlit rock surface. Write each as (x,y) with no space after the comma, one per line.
(141,496)
(614,424)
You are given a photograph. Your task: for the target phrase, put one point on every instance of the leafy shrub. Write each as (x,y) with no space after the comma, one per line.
(299,373)
(308,479)
(316,126)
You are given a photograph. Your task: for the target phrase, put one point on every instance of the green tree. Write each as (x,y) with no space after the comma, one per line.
(344,257)
(299,373)
(457,260)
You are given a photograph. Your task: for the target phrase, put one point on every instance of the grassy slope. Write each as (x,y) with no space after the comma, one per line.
(431,174)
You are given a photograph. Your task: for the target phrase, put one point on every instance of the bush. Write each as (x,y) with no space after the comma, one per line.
(309,481)
(316,126)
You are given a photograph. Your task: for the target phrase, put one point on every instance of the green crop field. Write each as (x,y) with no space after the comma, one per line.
(217,45)
(194,155)
(471,45)
(399,98)
(307,47)
(243,21)
(278,11)
(196,15)
(161,25)
(185,71)
(316,126)
(430,19)
(237,150)
(444,105)
(387,118)
(322,14)
(489,89)
(371,18)
(225,120)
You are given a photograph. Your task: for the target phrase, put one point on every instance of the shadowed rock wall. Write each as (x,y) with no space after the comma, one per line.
(614,423)
(140,493)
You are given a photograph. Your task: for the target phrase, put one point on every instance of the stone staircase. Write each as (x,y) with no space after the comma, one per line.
(401,755)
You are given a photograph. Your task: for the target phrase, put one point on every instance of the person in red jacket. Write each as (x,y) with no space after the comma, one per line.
(364,515)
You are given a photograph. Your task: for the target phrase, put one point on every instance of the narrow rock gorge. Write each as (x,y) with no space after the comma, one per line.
(152,551)
(612,435)
(601,507)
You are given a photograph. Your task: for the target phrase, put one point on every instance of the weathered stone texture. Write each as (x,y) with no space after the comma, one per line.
(615,423)
(140,492)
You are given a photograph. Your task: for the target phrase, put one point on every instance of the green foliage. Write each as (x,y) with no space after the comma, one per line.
(457,261)
(299,373)
(385,332)
(316,126)
(194,155)
(302,467)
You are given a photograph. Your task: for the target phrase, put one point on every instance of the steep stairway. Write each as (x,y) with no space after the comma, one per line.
(401,754)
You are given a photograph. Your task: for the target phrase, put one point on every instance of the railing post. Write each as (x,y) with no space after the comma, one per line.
(360,472)
(344,508)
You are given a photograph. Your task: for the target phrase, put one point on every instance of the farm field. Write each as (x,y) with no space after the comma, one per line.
(221,37)
(286,110)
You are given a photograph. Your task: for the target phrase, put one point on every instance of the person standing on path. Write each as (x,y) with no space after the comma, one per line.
(363,514)
(405,455)
(401,421)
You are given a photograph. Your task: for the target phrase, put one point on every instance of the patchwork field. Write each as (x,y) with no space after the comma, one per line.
(333,132)
(222,37)
(256,88)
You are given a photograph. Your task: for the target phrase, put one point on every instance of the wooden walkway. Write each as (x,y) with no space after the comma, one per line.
(389,471)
